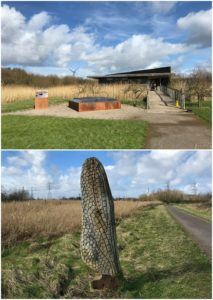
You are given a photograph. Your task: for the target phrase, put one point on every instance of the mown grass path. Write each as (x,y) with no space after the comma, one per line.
(157,257)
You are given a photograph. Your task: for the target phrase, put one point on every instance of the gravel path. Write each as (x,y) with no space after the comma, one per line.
(62,110)
(169,127)
(198,229)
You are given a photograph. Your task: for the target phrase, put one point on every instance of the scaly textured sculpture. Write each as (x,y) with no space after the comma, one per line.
(98,238)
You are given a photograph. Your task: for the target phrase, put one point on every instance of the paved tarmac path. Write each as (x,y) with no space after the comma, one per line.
(169,127)
(198,229)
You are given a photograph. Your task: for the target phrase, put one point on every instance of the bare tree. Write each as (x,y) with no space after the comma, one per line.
(199,84)
(179,82)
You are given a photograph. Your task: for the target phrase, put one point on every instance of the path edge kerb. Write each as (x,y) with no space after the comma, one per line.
(189,234)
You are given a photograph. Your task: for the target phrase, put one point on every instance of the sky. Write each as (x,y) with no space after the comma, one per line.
(130,173)
(106,37)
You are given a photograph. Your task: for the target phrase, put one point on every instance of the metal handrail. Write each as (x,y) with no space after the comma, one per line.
(177,96)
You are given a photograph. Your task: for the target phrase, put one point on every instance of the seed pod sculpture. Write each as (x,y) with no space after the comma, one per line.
(98,238)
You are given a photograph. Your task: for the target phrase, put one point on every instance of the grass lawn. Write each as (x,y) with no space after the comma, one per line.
(27,132)
(204,112)
(205,213)
(158,260)
(28,104)
(136,103)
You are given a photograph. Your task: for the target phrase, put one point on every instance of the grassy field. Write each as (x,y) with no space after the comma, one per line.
(27,104)
(23,132)
(197,210)
(157,258)
(34,219)
(204,112)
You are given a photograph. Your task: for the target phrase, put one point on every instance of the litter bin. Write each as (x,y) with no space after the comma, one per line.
(41,100)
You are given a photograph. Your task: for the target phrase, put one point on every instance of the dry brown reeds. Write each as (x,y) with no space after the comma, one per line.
(13,93)
(34,219)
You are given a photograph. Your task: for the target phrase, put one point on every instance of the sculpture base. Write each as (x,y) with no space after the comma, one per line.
(106,281)
(94,103)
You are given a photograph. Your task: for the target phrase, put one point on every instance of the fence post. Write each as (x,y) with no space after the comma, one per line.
(183,101)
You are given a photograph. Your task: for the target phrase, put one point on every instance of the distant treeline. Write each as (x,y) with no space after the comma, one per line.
(25,195)
(166,196)
(18,76)
(176,196)
(17,195)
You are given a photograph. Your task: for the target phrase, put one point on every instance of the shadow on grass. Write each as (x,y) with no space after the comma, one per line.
(153,275)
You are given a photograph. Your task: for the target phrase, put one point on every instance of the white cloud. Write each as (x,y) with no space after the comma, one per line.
(25,170)
(38,21)
(138,51)
(130,175)
(36,43)
(11,23)
(133,174)
(197,164)
(199,27)
(69,182)
(163,6)
(39,43)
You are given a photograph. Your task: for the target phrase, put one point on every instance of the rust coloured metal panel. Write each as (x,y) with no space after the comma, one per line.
(82,105)
(41,103)
(41,100)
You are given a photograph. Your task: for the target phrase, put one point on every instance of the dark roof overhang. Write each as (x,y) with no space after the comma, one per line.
(146,75)
(150,73)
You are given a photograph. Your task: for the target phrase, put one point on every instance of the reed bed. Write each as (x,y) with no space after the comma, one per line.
(29,220)
(12,93)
